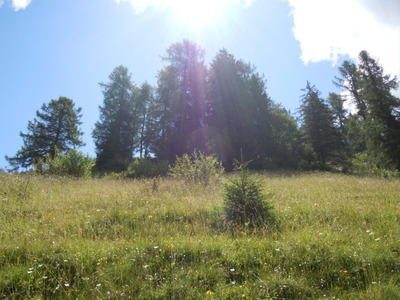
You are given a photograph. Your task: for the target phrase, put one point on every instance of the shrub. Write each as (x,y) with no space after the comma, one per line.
(245,202)
(73,163)
(146,167)
(196,168)
(115,164)
(389,173)
(364,165)
(361,164)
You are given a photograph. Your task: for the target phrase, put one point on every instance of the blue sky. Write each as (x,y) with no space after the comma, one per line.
(65,48)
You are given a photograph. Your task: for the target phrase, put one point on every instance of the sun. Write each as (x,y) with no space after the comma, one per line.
(198,12)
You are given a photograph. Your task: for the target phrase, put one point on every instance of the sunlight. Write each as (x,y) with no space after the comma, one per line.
(198,12)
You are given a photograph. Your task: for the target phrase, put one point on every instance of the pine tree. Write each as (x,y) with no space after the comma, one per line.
(335,102)
(318,127)
(382,122)
(180,102)
(115,134)
(285,138)
(378,109)
(351,85)
(56,127)
(145,107)
(240,111)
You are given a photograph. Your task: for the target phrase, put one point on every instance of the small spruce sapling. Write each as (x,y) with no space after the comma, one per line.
(245,202)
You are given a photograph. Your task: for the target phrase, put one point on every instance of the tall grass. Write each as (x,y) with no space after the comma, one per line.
(336,237)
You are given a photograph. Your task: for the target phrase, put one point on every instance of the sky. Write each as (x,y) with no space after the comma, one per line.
(52,48)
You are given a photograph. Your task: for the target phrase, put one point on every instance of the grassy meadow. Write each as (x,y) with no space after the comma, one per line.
(336,237)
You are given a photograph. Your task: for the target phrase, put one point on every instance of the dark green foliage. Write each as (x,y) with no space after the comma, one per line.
(350,83)
(240,112)
(355,134)
(220,108)
(318,128)
(114,134)
(363,164)
(375,128)
(145,107)
(339,113)
(56,126)
(309,160)
(197,168)
(213,110)
(146,167)
(180,108)
(382,124)
(245,202)
(73,163)
(285,138)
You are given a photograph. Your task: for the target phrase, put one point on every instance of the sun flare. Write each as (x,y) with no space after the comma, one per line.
(198,12)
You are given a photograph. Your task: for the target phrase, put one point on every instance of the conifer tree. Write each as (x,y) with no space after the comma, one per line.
(240,111)
(56,128)
(181,102)
(317,127)
(146,118)
(382,123)
(378,110)
(115,134)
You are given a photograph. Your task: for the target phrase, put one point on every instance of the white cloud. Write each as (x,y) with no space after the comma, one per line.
(329,28)
(20,4)
(386,11)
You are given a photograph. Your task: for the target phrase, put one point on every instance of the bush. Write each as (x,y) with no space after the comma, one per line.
(73,163)
(245,203)
(362,164)
(198,168)
(115,164)
(389,173)
(146,167)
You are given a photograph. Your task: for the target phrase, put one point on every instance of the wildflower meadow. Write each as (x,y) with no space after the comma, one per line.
(333,237)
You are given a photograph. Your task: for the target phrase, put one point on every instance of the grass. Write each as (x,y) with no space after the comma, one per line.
(336,237)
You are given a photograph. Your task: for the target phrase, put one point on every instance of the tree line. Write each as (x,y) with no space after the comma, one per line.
(223,109)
